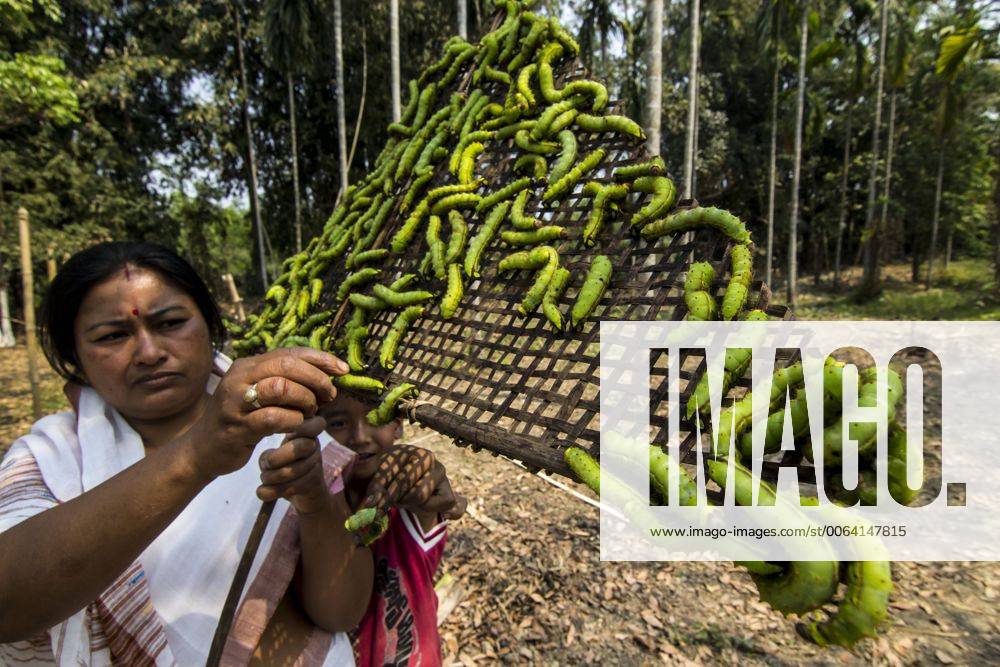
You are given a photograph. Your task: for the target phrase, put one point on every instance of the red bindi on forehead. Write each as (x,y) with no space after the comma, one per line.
(135,312)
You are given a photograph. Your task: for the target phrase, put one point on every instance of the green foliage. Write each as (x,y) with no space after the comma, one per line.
(34,87)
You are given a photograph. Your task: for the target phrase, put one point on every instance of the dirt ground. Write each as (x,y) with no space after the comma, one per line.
(530,587)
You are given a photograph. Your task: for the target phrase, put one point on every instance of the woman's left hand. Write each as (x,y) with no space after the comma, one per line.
(411,477)
(294,470)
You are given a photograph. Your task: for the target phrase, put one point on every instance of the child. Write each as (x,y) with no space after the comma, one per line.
(400,625)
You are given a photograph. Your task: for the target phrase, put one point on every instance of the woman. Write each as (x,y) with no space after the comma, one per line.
(122,522)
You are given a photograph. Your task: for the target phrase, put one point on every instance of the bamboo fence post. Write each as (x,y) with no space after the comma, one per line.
(27,285)
(234,296)
(50,263)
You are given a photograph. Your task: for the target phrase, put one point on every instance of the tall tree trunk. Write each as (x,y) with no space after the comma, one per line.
(295,162)
(800,103)
(463,22)
(772,170)
(947,246)
(338,64)
(871,280)
(6,331)
(689,148)
(251,153)
(654,89)
(936,215)
(844,183)
(889,149)
(394,58)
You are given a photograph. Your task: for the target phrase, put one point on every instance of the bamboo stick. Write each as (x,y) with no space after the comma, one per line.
(28,287)
(234,296)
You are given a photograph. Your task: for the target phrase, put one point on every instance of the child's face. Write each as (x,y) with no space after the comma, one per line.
(346,423)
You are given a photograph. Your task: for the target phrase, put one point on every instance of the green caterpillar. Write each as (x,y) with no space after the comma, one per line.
(523,84)
(584,467)
(477,137)
(864,607)
(664,195)
(368,523)
(314,321)
(353,382)
(533,162)
(609,123)
(504,193)
(370,256)
(697,294)
(567,156)
(399,130)
(533,236)
(546,79)
(365,302)
(661,468)
(738,289)
(563,120)
(386,411)
(276,293)
(545,120)
(409,227)
(456,122)
(401,283)
(862,432)
(356,279)
(403,321)
(508,131)
(523,141)
(455,202)
(400,299)
(563,37)
(550,301)
(598,277)
(587,89)
(477,246)
(692,218)
(536,293)
(603,195)
(453,294)
(455,189)
(411,104)
(456,240)
(436,246)
(803,585)
(355,348)
(537,31)
(467,164)
(567,182)
(518,219)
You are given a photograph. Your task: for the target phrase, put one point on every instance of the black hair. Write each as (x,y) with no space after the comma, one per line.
(90,267)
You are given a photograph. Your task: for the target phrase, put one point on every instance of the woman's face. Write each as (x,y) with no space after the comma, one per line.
(345,421)
(143,345)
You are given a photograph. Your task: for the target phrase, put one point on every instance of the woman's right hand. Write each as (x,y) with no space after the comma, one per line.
(291,383)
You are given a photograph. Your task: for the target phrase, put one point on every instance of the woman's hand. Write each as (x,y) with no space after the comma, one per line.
(291,383)
(295,470)
(411,477)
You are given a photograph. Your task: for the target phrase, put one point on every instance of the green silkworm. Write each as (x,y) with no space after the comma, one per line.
(313,321)
(584,467)
(741,275)
(400,299)
(518,219)
(513,115)
(533,236)
(664,195)
(661,472)
(546,79)
(534,163)
(424,105)
(361,203)
(699,300)
(457,155)
(866,490)
(454,291)
(430,152)
(470,120)
(403,282)
(563,37)
(523,141)
(436,246)
(609,123)
(370,256)
(693,218)
(470,103)
(317,335)
(523,84)
(386,411)
(567,156)
(653,167)
(294,341)
(529,45)
(596,91)
(352,382)
(409,227)
(563,120)
(355,348)
(527,259)
(536,293)
(426,267)
(550,302)
(504,193)
(370,303)
(315,291)
(456,240)
(454,189)
(488,54)
(403,321)
(356,279)
(862,432)
(802,585)
(603,195)
(491,110)
(598,277)
(545,120)
(467,53)
(361,519)
(508,131)
(494,74)
(399,130)
(454,202)
(488,230)
(305,300)
(864,607)
(467,164)
(565,184)
(276,293)
(410,109)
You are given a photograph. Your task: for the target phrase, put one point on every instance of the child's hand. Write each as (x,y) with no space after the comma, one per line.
(295,470)
(413,478)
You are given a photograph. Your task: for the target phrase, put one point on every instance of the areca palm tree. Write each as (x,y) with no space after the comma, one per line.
(394,59)
(690,142)
(654,88)
(598,24)
(800,92)
(289,27)
(338,57)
